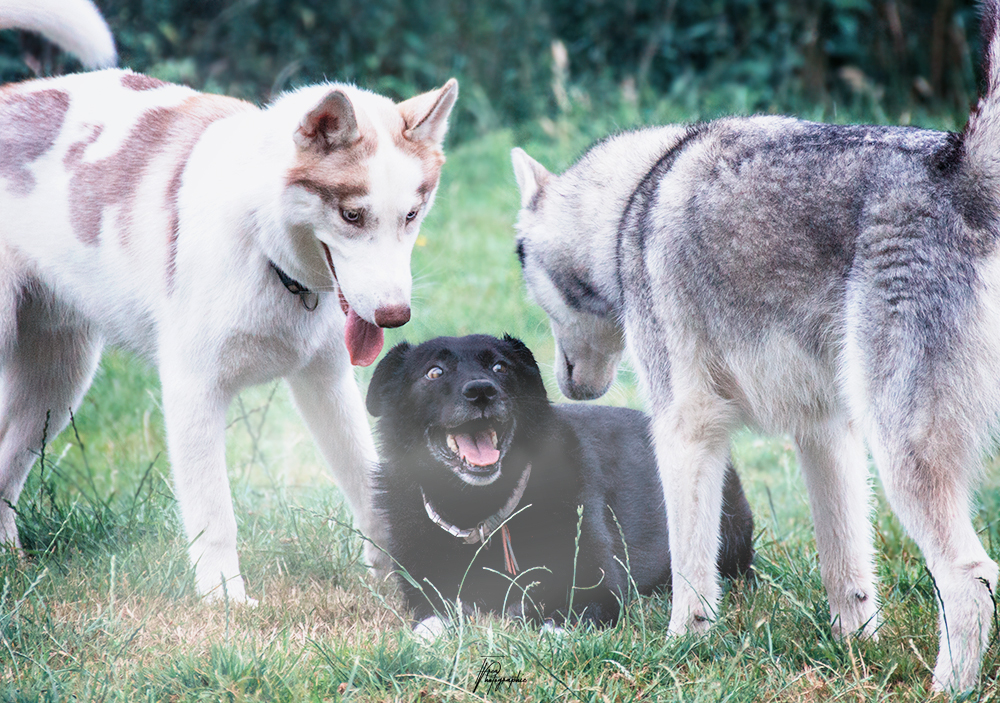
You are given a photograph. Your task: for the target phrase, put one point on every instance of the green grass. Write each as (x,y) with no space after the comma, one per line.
(102,606)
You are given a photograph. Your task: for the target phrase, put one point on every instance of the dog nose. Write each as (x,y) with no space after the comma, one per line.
(480,392)
(392,315)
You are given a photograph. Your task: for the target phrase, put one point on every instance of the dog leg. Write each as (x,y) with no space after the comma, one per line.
(46,368)
(329,401)
(194,411)
(930,493)
(691,438)
(835,468)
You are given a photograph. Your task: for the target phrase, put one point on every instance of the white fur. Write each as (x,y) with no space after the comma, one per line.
(75,25)
(215,318)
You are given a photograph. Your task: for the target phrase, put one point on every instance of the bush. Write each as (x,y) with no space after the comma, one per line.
(876,58)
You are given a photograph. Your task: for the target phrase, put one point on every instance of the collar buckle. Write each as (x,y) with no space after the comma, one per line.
(308,298)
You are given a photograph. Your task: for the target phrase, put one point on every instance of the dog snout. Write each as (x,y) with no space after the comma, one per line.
(480,392)
(392,315)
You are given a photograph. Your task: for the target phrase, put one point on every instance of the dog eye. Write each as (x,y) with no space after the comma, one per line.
(352,216)
(434,372)
(499,367)
(412,214)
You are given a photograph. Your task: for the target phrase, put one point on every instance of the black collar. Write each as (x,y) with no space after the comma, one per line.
(309,299)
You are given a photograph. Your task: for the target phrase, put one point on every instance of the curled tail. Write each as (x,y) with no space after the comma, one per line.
(75,25)
(982,132)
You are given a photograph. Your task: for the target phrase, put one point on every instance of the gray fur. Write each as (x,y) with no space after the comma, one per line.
(830,282)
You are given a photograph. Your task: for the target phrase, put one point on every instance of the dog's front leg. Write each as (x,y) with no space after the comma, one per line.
(691,438)
(194,410)
(329,401)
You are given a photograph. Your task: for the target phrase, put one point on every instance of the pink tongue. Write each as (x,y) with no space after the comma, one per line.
(363,339)
(477,449)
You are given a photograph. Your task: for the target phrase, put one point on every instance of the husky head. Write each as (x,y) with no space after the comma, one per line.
(364,175)
(561,277)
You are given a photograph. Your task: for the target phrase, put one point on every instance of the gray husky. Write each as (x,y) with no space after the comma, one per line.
(838,283)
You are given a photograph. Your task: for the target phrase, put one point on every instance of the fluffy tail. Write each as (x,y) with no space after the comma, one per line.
(982,132)
(75,25)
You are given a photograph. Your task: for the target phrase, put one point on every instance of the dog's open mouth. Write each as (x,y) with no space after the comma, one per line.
(473,450)
(363,339)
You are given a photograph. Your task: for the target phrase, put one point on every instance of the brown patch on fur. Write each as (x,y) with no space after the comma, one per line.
(162,133)
(431,159)
(333,193)
(342,173)
(339,173)
(114,180)
(76,149)
(201,111)
(137,81)
(29,126)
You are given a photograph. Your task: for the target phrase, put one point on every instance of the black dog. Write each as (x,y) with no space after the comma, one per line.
(468,438)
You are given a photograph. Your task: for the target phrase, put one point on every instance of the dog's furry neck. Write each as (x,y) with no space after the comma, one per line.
(617,165)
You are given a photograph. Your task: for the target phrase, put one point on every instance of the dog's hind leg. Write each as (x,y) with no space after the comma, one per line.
(48,360)
(927,480)
(921,374)
(329,401)
(835,468)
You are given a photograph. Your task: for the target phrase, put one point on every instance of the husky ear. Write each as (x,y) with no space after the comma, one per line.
(426,115)
(531,176)
(384,386)
(329,125)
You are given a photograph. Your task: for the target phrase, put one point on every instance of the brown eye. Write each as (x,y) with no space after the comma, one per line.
(352,216)
(412,214)
(499,367)
(433,373)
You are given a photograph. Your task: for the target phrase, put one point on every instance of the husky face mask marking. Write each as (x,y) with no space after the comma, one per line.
(365,174)
(589,340)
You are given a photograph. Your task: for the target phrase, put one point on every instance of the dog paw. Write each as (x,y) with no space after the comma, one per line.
(696,623)
(550,628)
(378,561)
(429,629)
(232,591)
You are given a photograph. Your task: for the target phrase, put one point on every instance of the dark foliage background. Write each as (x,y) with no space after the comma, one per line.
(882,59)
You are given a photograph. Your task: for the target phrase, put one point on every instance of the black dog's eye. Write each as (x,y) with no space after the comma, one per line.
(434,372)
(499,367)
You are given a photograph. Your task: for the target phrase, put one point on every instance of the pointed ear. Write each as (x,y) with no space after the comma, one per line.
(329,125)
(531,176)
(426,115)
(384,387)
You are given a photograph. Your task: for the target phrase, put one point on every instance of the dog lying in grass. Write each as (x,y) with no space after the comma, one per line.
(228,244)
(482,481)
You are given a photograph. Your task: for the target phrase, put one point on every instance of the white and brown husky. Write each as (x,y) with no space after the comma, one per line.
(229,244)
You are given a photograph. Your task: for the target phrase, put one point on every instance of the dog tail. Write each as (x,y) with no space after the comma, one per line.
(982,132)
(75,25)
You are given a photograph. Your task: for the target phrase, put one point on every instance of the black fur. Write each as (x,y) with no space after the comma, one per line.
(595,456)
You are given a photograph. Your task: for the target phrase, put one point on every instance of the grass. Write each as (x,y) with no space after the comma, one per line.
(102,605)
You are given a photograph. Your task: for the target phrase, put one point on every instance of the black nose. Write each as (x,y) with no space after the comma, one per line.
(480,392)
